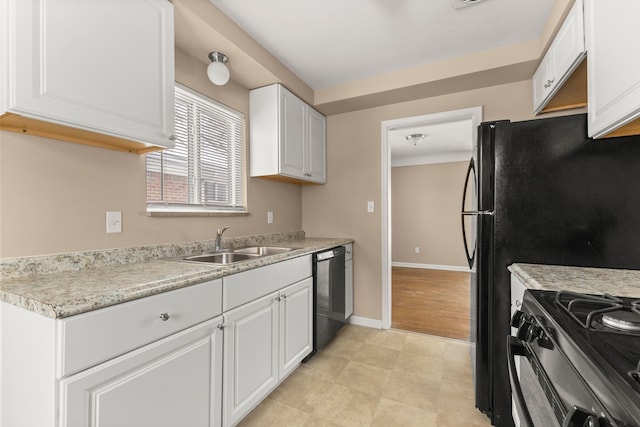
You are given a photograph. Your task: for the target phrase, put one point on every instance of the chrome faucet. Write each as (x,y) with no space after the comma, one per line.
(218,244)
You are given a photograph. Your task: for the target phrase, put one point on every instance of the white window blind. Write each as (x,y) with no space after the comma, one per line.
(205,169)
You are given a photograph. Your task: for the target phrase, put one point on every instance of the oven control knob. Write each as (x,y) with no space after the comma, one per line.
(523,329)
(583,418)
(517,318)
(532,332)
(592,421)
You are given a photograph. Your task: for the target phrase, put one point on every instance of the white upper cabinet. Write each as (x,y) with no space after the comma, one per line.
(564,55)
(612,33)
(317,155)
(287,137)
(105,67)
(292,130)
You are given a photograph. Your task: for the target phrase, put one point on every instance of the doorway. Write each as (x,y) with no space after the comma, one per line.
(413,308)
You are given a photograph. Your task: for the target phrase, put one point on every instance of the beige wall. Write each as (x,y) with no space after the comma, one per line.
(354,174)
(425,213)
(54,195)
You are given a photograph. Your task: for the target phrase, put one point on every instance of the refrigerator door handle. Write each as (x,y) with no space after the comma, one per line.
(470,255)
(475,213)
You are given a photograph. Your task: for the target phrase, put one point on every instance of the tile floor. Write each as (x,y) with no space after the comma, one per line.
(370,377)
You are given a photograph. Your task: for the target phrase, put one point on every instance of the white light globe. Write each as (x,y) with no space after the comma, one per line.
(218,73)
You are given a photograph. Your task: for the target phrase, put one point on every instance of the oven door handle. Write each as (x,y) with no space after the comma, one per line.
(515,348)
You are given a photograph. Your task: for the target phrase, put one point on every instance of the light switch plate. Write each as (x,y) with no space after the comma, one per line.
(270,217)
(371,207)
(114,222)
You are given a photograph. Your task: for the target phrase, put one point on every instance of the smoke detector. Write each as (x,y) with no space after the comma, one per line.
(457,4)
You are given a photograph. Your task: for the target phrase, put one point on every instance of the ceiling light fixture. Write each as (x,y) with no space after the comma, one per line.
(457,4)
(217,71)
(415,137)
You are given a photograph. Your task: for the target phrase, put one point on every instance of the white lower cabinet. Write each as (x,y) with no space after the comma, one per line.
(201,356)
(250,356)
(296,326)
(348,280)
(264,341)
(171,382)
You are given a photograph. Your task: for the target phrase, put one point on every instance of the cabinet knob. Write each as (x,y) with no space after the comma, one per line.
(284,296)
(278,298)
(307,174)
(221,326)
(549,83)
(164,317)
(172,137)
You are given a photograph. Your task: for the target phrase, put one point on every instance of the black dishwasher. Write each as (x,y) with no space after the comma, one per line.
(329,296)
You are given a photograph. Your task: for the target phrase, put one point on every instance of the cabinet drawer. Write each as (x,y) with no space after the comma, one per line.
(91,338)
(249,285)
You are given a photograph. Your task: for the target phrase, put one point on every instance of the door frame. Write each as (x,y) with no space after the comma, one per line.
(472,113)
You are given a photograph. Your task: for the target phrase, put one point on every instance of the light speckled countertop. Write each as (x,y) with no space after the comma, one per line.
(622,283)
(68,284)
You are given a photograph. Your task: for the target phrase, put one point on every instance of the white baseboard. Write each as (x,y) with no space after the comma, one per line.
(431,266)
(365,321)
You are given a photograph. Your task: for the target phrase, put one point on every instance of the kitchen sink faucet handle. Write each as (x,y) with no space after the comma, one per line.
(218,243)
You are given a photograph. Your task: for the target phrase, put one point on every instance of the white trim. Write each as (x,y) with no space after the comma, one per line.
(431,266)
(386,223)
(365,321)
(472,113)
(461,156)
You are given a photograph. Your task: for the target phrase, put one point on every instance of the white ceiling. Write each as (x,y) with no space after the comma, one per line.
(445,142)
(333,42)
(329,42)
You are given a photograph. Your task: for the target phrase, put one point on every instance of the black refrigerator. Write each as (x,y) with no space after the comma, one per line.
(540,191)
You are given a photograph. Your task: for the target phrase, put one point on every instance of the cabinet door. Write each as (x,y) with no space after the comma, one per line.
(250,356)
(172,382)
(541,84)
(612,33)
(296,325)
(316,147)
(564,55)
(348,285)
(292,135)
(105,66)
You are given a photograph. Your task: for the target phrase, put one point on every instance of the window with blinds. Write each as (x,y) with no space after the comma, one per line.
(205,169)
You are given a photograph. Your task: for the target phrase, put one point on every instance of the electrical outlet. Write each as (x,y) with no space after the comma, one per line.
(371,207)
(270,217)
(417,250)
(114,222)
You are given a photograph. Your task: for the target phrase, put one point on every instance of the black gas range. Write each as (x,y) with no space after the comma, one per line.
(583,360)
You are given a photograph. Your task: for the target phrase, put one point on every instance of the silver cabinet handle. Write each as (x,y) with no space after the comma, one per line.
(164,317)
(549,83)
(307,174)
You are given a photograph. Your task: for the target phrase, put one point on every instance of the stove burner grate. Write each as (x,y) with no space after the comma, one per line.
(602,313)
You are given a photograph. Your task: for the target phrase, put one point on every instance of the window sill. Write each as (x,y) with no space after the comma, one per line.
(160,213)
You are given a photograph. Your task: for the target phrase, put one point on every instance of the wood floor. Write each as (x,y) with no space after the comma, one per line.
(434,302)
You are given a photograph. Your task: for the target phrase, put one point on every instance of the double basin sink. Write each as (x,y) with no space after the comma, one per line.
(237,255)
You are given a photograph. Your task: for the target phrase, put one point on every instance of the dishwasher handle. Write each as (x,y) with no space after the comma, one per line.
(332,253)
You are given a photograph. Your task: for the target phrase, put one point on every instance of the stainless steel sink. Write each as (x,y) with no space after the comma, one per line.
(243,254)
(222,257)
(262,250)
